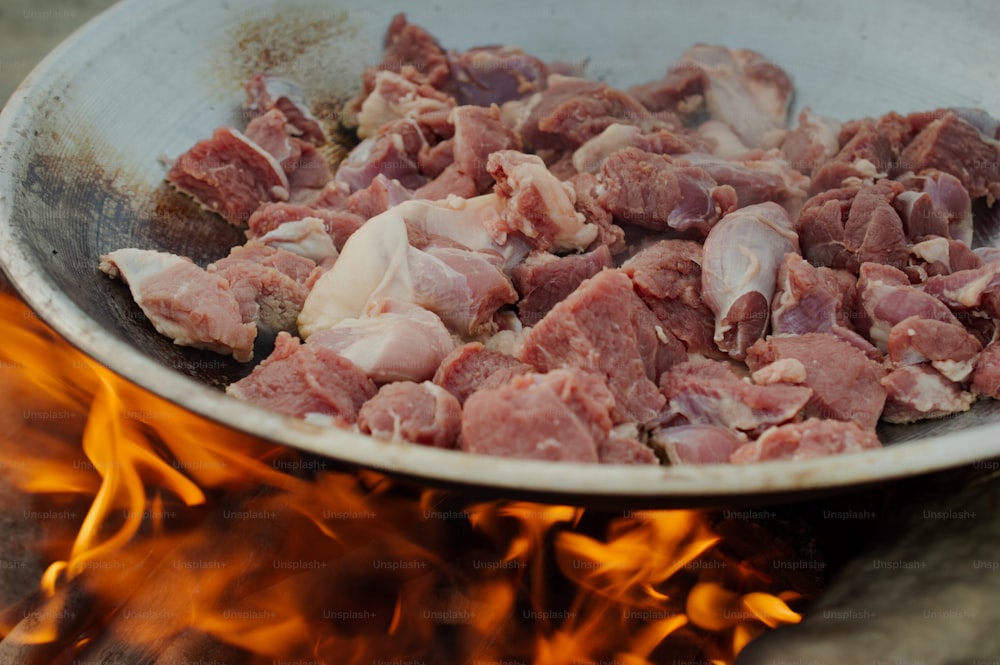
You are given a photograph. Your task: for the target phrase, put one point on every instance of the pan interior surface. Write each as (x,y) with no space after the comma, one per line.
(84,141)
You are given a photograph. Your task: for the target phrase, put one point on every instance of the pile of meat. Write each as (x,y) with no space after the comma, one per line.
(515,260)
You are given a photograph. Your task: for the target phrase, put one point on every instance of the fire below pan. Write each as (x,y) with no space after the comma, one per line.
(81,175)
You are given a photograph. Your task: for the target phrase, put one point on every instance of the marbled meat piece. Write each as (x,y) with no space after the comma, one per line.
(391,340)
(339,224)
(306,237)
(303,165)
(680,91)
(950,144)
(809,439)
(590,156)
(756,177)
(948,347)
(488,75)
(938,255)
(845,382)
(653,192)
(810,299)
(744,90)
(667,276)
(740,262)
(184,302)
(266,92)
(395,97)
(270,284)
(986,375)
(472,366)
(570,111)
(964,289)
(622,447)
(380,195)
(299,379)
(886,297)
(230,175)
(421,413)
(387,154)
(586,187)
(542,280)
(562,415)
(869,149)
(709,392)
(537,206)
(935,204)
(478,134)
(813,141)
(410,50)
(919,392)
(604,327)
(698,443)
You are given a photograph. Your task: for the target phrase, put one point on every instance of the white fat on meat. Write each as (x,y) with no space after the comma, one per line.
(392,341)
(306,237)
(740,262)
(394,97)
(589,156)
(183,301)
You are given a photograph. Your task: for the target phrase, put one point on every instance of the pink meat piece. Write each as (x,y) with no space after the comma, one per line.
(270,284)
(184,302)
(544,279)
(433,159)
(624,448)
(756,178)
(948,347)
(377,197)
(451,182)
(667,276)
(397,98)
(809,299)
(229,174)
(537,206)
(940,256)
(653,192)
(488,75)
(309,172)
(421,413)
(845,382)
(740,262)
(813,141)
(464,288)
(986,375)
(935,203)
(383,154)
(563,415)
(843,228)
(709,392)
(964,289)
(409,48)
(339,224)
(332,196)
(305,237)
(391,341)
(742,89)
(585,186)
(570,111)
(478,134)
(680,91)
(472,366)
(886,298)
(919,392)
(270,131)
(298,379)
(590,156)
(604,327)
(266,93)
(698,444)
(950,144)
(807,440)
(869,148)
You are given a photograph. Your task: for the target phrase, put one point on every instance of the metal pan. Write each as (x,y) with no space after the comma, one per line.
(80,176)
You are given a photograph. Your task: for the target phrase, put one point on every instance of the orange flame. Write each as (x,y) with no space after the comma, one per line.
(194,527)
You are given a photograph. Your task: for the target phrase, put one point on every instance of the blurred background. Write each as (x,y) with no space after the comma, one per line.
(29,29)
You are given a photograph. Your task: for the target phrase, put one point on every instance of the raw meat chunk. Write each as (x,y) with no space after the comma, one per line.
(948,347)
(806,440)
(339,224)
(918,392)
(590,156)
(710,393)
(740,262)
(266,92)
(562,415)
(472,366)
(814,141)
(986,375)
(229,174)
(417,412)
(184,302)
(845,382)
(495,74)
(306,237)
(756,178)
(698,444)
(653,192)
(543,279)
(298,379)
(622,447)
(603,327)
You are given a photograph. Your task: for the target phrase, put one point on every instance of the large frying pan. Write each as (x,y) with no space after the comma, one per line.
(80,176)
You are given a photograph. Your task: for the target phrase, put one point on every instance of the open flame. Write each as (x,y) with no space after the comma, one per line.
(194,533)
